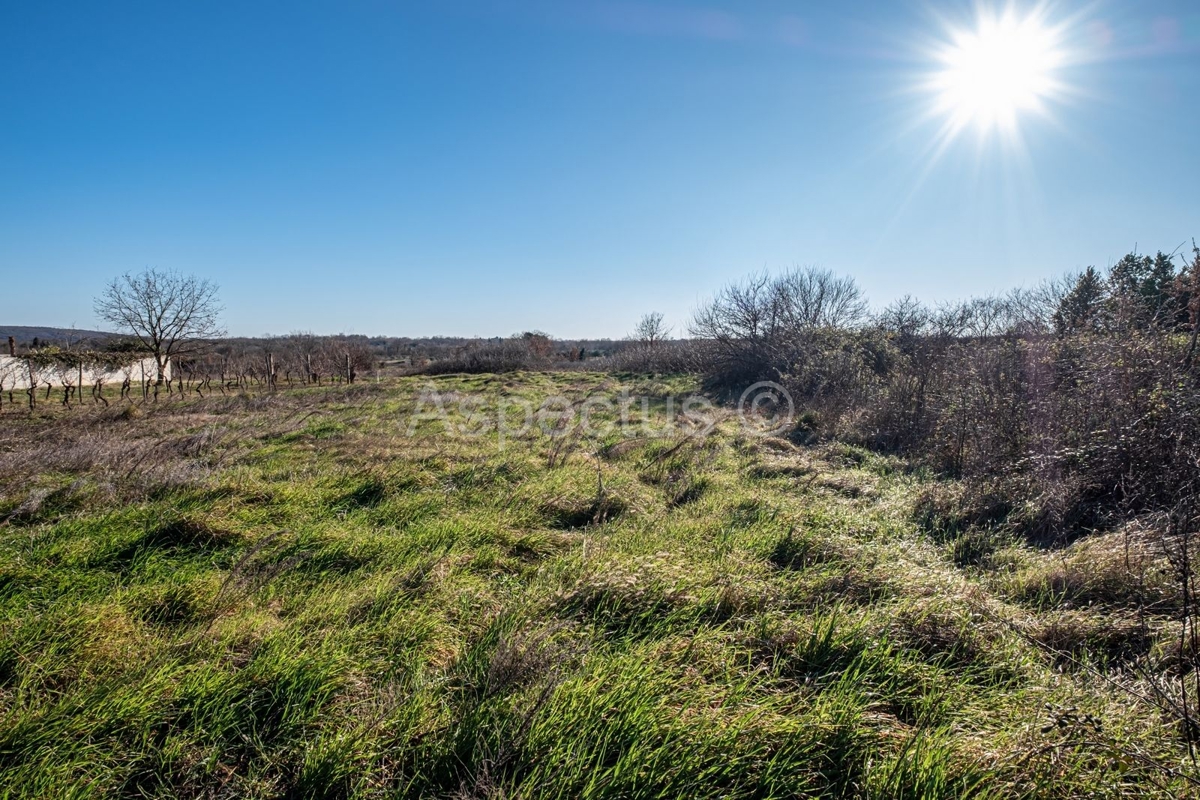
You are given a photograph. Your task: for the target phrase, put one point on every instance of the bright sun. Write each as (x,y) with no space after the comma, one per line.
(989,77)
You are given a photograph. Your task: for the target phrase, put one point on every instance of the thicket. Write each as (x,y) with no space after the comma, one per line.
(530,350)
(1071,406)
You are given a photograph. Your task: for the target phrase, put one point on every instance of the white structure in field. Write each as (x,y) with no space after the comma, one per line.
(18,373)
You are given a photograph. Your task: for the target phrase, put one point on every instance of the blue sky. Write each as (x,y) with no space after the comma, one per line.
(482,168)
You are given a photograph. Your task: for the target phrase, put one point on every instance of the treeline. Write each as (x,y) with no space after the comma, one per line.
(305,358)
(531,350)
(420,351)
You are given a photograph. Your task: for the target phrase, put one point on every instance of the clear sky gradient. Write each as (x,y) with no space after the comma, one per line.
(483,168)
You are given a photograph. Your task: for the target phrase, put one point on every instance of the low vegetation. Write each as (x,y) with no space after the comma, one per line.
(299,593)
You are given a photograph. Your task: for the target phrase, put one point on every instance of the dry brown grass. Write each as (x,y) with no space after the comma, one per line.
(1100,638)
(1119,570)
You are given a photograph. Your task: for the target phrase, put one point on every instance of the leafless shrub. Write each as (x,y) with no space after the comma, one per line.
(661,357)
(756,329)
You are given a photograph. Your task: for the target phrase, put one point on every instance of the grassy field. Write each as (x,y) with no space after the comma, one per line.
(295,595)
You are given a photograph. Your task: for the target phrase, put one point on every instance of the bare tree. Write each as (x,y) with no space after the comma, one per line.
(907,319)
(812,298)
(651,330)
(761,327)
(168,313)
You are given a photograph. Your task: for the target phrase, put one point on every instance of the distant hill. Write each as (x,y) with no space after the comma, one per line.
(27,336)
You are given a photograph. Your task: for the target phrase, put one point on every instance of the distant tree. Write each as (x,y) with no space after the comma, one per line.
(1187,301)
(1141,289)
(540,344)
(651,330)
(905,318)
(169,314)
(1080,309)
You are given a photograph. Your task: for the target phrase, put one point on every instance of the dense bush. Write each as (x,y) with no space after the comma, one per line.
(530,350)
(655,357)
(507,355)
(1078,402)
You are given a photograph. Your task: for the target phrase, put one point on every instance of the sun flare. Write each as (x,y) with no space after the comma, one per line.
(989,77)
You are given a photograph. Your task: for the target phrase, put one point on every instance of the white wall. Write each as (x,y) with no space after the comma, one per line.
(14,373)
